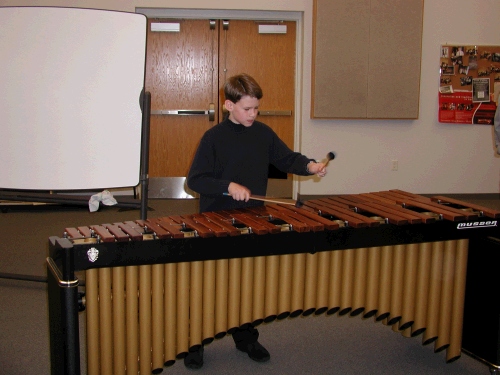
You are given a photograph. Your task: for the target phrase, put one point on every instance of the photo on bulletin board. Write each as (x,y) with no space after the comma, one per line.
(469,84)
(480,90)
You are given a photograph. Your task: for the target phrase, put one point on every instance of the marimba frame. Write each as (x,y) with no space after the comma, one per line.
(66,257)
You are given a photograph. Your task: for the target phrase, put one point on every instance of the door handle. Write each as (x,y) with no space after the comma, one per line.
(275,113)
(188,112)
(266,113)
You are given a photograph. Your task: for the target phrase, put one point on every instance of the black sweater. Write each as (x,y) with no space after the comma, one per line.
(231,152)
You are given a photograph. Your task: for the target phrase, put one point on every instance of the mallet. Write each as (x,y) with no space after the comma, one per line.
(297,204)
(329,156)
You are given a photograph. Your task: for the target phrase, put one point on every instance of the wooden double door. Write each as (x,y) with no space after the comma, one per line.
(185,74)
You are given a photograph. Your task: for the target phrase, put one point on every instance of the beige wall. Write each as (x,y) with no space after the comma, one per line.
(432,157)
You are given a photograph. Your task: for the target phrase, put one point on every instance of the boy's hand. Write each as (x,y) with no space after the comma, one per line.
(317,168)
(238,192)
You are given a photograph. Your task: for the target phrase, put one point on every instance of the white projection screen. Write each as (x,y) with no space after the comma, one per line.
(70,83)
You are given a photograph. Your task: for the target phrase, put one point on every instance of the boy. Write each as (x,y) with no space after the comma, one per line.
(230,164)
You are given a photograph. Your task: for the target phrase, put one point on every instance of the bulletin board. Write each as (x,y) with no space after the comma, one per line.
(469,84)
(352,76)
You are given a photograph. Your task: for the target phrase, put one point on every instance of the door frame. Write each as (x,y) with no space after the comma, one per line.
(257,15)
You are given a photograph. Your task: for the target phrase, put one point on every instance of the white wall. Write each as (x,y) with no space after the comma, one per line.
(432,157)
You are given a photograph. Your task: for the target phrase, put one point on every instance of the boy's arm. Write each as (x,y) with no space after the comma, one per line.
(289,161)
(201,178)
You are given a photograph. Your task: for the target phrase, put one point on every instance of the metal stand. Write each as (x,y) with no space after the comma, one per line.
(63,314)
(494,369)
(144,179)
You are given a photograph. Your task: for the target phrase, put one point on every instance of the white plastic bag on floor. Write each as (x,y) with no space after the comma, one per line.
(105,197)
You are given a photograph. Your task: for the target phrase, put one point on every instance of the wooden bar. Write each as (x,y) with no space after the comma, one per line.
(486,211)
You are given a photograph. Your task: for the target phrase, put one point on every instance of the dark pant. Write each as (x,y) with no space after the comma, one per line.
(245,336)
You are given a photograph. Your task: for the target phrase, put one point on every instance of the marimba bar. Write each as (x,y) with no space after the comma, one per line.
(154,290)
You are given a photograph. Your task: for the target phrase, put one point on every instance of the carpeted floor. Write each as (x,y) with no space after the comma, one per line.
(303,345)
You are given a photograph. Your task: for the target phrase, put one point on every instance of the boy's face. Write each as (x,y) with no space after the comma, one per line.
(244,111)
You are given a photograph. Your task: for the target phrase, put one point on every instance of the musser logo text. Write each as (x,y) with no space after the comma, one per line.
(477,224)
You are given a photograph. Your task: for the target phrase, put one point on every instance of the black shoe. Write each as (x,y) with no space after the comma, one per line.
(194,360)
(255,351)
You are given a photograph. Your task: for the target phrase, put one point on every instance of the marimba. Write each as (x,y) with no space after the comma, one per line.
(156,288)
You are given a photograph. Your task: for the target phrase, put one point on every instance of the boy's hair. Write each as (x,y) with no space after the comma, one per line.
(240,85)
